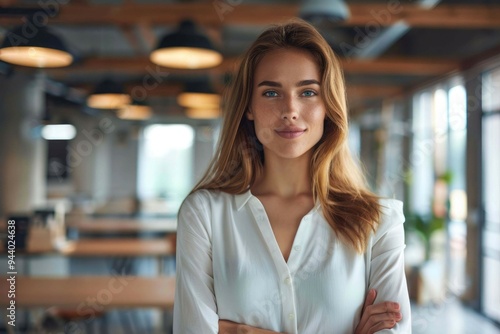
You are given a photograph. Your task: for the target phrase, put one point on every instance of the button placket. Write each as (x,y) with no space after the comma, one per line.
(288,300)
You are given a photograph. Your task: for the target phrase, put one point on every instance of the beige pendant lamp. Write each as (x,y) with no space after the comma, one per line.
(41,49)
(200,100)
(186,48)
(108,94)
(136,111)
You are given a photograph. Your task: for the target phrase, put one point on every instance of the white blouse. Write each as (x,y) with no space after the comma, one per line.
(230,267)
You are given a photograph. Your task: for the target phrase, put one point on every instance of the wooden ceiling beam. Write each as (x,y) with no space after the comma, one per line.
(372,91)
(8,3)
(138,65)
(370,16)
(441,16)
(400,66)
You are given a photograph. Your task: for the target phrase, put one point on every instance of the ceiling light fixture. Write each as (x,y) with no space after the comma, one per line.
(137,110)
(203,113)
(199,95)
(43,49)
(186,48)
(315,11)
(108,95)
(58,132)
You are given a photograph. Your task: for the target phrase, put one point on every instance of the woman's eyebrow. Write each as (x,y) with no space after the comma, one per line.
(307,82)
(299,84)
(269,83)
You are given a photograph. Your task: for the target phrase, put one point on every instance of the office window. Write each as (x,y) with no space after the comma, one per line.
(438,173)
(421,161)
(491,194)
(491,87)
(165,167)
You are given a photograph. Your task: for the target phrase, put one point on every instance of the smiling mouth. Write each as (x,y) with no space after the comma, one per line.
(290,134)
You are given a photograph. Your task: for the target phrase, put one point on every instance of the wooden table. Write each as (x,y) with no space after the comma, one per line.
(120,247)
(77,291)
(121,225)
(110,247)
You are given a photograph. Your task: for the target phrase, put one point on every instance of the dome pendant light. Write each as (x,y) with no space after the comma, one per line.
(199,95)
(42,50)
(137,110)
(318,10)
(108,95)
(186,48)
(200,100)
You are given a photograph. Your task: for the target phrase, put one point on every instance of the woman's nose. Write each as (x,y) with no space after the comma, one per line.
(290,109)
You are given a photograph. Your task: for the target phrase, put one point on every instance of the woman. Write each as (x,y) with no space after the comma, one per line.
(281,235)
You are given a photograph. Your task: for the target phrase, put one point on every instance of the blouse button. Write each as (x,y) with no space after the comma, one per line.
(291,316)
(288,280)
(297,248)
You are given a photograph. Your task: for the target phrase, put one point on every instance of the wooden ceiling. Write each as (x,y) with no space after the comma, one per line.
(125,33)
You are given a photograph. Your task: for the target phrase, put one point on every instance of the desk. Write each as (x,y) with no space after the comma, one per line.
(110,247)
(108,292)
(120,225)
(120,247)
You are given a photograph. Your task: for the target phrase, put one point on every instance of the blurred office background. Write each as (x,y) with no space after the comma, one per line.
(423,82)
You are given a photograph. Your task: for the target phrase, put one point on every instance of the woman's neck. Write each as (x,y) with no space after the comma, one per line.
(284,177)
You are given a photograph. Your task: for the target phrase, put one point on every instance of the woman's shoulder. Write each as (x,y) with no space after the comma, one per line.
(390,230)
(391,206)
(205,198)
(391,215)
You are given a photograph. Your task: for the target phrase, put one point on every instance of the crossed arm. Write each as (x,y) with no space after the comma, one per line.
(374,317)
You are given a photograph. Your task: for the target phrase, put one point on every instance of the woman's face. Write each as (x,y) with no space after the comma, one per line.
(286,105)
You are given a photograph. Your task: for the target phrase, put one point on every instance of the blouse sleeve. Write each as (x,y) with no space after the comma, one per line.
(387,274)
(195,307)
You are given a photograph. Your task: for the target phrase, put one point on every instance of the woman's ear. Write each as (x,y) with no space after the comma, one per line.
(249,114)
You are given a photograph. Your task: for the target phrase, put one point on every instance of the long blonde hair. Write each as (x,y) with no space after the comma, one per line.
(338,185)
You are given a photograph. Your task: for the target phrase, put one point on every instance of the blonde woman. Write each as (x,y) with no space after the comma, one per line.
(281,235)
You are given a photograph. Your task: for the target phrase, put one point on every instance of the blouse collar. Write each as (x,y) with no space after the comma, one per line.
(242,199)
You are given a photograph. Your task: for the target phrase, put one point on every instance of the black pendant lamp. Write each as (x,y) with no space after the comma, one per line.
(186,48)
(137,110)
(40,48)
(108,94)
(200,100)
(199,94)
(318,10)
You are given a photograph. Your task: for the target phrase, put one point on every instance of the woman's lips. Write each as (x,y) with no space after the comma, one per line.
(290,134)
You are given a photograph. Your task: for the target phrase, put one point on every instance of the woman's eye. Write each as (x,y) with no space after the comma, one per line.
(309,93)
(270,93)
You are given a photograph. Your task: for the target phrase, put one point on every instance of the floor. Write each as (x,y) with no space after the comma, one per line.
(450,318)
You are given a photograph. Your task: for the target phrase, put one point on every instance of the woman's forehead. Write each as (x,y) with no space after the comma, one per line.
(287,63)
